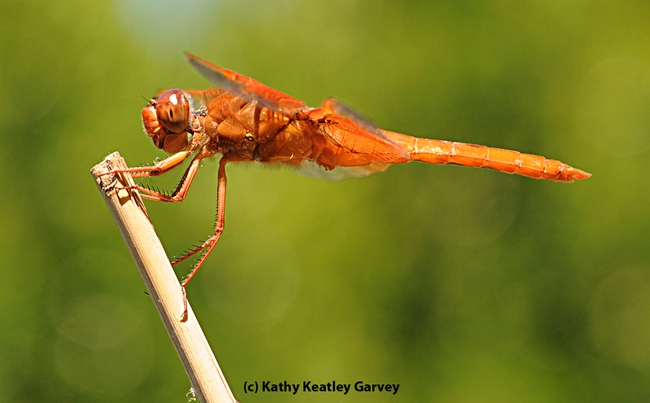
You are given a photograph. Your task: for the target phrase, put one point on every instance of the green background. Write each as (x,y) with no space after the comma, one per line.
(461,285)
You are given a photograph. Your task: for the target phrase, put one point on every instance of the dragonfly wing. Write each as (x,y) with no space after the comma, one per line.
(313,170)
(246,88)
(357,135)
(339,108)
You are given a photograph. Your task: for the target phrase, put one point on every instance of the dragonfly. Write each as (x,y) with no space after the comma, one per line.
(244,120)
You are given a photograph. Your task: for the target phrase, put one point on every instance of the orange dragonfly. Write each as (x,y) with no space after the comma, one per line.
(245,120)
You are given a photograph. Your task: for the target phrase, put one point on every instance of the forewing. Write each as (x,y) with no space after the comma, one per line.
(356,134)
(246,88)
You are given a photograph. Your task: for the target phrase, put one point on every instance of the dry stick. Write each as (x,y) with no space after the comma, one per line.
(191,345)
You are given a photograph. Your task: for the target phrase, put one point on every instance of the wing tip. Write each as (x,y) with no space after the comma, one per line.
(194,60)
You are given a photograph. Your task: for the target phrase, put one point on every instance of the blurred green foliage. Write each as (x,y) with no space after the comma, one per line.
(461,285)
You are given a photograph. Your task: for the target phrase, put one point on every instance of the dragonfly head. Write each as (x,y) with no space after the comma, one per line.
(166,120)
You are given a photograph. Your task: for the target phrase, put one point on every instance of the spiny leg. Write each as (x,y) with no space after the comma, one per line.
(160,168)
(210,243)
(181,190)
(157,169)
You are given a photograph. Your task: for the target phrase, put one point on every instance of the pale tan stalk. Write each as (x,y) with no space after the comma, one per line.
(126,206)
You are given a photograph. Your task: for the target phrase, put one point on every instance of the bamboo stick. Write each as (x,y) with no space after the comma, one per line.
(130,215)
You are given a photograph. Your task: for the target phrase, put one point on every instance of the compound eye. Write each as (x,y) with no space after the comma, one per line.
(173,111)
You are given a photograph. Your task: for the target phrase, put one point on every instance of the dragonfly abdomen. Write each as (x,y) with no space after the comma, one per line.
(447,152)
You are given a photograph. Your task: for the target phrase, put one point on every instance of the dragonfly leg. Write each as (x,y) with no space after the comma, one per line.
(157,169)
(181,190)
(211,242)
